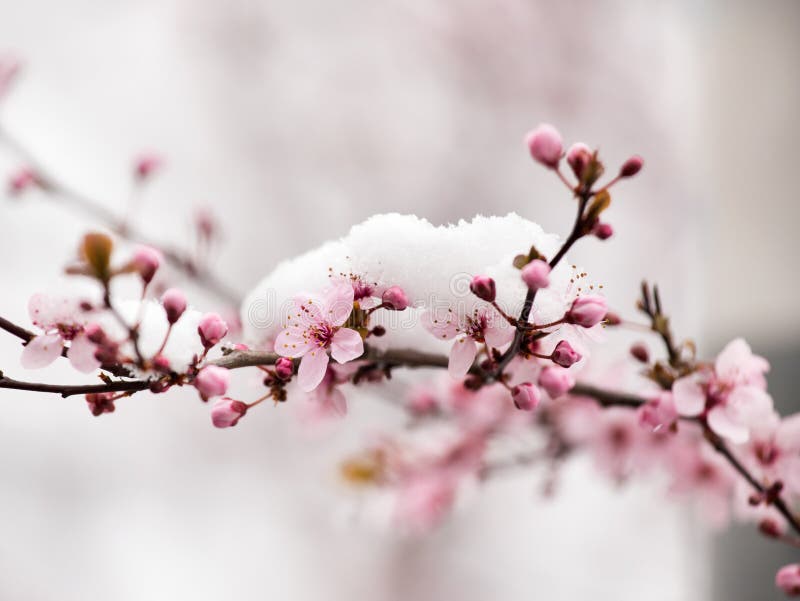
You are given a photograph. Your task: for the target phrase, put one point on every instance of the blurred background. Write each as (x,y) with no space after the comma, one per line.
(295,120)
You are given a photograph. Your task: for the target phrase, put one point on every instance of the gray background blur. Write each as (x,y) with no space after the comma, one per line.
(297,119)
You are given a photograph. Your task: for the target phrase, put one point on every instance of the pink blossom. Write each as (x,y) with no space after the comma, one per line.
(147,164)
(174,302)
(698,471)
(632,166)
(579,156)
(146,261)
(732,395)
(422,402)
(564,355)
(602,230)
(615,441)
(226,412)
(22,179)
(211,329)
(212,381)
(395,298)
(640,352)
(545,146)
(788,579)
(61,320)
(484,288)
(536,274)
(424,501)
(556,381)
(315,327)
(659,413)
(587,311)
(284,368)
(9,69)
(773,450)
(526,396)
(100,402)
(481,327)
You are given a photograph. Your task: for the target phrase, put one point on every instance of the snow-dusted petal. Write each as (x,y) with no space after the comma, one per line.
(291,342)
(721,421)
(48,311)
(689,396)
(41,351)
(337,303)
(312,369)
(462,356)
(347,345)
(81,354)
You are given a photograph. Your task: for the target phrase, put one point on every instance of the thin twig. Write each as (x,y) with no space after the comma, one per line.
(64,195)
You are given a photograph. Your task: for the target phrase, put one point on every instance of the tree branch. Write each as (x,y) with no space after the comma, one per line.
(66,390)
(66,196)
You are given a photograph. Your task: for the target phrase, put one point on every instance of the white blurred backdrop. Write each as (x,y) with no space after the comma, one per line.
(295,120)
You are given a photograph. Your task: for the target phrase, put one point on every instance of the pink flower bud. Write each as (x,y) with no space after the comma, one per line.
(526,396)
(284,368)
(659,413)
(640,353)
(146,261)
(556,381)
(564,355)
(579,156)
(422,403)
(174,302)
(212,329)
(395,298)
(632,166)
(94,332)
(788,579)
(212,381)
(536,274)
(484,288)
(147,164)
(545,146)
(100,403)
(603,230)
(22,180)
(226,412)
(161,363)
(587,311)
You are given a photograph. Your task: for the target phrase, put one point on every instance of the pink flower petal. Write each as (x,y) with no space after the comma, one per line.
(291,343)
(498,333)
(337,303)
(312,369)
(347,345)
(689,397)
(81,354)
(462,356)
(724,424)
(750,405)
(737,364)
(41,351)
(307,310)
(335,402)
(441,323)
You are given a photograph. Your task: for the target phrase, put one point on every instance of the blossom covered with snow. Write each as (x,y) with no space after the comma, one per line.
(314,327)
